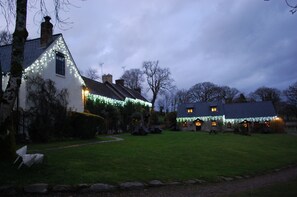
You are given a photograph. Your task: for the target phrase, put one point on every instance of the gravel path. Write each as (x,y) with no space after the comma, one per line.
(207,190)
(114,139)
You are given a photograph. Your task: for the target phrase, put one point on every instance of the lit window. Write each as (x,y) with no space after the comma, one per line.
(245,124)
(198,124)
(213,123)
(213,109)
(190,110)
(185,124)
(60,64)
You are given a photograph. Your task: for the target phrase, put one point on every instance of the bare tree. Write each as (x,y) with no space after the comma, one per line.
(292,6)
(92,74)
(240,99)
(158,79)
(5,38)
(291,94)
(205,92)
(133,78)
(168,101)
(18,10)
(266,94)
(228,94)
(182,96)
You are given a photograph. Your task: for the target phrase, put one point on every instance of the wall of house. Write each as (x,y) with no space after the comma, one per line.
(45,66)
(71,81)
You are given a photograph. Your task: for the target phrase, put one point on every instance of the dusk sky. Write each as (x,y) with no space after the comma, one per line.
(244,44)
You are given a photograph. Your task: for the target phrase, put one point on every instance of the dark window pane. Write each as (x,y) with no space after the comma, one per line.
(60,64)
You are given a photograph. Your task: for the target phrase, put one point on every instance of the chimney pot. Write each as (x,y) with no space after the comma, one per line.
(46,34)
(107,78)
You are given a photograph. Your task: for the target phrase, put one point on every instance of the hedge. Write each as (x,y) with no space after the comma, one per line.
(85,125)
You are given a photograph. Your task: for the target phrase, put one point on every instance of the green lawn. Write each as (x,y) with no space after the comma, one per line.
(170,156)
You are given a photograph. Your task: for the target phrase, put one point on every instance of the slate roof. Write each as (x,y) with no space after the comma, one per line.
(246,110)
(110,90)
(231,111)
(31,52)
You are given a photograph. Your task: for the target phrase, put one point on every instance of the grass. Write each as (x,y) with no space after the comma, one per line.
(171,156)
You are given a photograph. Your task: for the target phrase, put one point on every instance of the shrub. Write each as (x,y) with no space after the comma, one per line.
(85,125)
(47,109)
(170,121)
(154,118)
(277,125)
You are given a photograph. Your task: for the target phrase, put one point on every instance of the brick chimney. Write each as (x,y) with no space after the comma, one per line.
(120,82)
(46,34)
(107,78)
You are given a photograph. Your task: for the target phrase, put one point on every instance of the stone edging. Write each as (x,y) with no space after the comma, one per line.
(43,188)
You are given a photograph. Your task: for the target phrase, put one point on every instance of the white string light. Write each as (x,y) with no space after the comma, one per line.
(115,102)
(226,120)
(49,55)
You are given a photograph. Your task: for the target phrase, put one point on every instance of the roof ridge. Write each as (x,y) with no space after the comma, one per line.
(31,40)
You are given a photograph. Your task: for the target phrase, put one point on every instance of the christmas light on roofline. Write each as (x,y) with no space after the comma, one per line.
(115,102)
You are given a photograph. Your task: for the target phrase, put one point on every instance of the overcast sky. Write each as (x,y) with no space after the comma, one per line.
(240,43)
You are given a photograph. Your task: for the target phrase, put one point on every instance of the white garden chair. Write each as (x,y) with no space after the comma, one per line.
(28,159)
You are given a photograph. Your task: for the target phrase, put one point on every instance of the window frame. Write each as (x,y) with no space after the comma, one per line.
(213,109)
(190,110)
(60,64)
(214,123)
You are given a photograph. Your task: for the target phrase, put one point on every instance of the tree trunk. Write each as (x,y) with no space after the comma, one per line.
(1,80)
(154,100)
(7,133)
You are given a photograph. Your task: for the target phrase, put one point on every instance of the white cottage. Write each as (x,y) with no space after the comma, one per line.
(49,57)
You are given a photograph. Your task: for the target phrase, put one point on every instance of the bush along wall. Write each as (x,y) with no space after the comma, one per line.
(85,125)
(118,118)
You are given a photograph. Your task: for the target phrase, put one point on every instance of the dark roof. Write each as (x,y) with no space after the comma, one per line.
(31,52)
(231,111)
(101,89)
(110,90)
(247,110)
(200,109)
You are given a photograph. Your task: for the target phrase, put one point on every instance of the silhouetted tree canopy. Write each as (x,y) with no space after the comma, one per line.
(133,78)
(291,94)
(92,74)
(267,94)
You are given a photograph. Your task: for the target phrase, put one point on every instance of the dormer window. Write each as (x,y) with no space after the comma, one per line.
(190,110)
(213,109)
(60,64)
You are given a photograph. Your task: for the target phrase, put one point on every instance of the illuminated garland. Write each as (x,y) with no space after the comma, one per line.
(138,101)
(115,102)
(105,100)
(204,118)
(49,55)
(222,118)
(251,119)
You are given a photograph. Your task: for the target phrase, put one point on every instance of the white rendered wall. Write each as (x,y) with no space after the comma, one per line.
(45,66)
